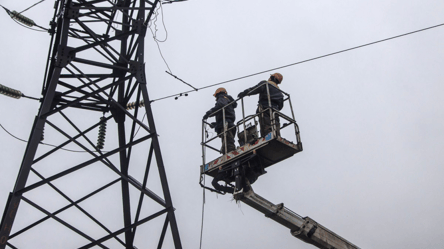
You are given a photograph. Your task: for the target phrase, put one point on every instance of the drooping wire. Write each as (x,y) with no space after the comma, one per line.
(45,30)
(203,212)
(23,20)
(208,134)
(304,61)
(154,20)
(13,135)
(9,133)
(203,190)
(139,126)
(77,151)
(160,51)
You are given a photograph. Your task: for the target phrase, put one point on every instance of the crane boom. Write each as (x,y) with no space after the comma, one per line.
(303,228)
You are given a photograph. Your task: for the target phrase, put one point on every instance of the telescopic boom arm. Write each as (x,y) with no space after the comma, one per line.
(305,229)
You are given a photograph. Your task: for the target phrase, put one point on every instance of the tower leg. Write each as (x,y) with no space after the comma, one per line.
(97,75)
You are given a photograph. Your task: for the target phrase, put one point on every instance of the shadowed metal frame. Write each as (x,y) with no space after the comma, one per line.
(103,83)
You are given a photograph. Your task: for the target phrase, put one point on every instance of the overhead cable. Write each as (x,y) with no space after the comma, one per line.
(10,92)
(153,21)
(203,215)
(18,17)
(40,142)
(31,6)
(203,195)
(10,134)
(25,26)
(195,89)
(173,1)
(160,51)
(155,25)
(304,61)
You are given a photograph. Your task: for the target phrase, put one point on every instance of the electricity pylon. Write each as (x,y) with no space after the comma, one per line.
(81,193)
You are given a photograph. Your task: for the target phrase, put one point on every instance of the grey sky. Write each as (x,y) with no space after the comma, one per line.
(371,119)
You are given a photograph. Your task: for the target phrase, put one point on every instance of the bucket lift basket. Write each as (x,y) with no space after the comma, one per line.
(266,150)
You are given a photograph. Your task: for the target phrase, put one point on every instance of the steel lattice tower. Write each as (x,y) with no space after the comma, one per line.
(95,72)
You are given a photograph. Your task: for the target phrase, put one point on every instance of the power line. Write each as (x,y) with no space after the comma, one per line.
(182,81)
(79,151)
(304,61)
(31,6)
(140,126)
(153,21)
(44,30)
(13,93)
(23,20)
(13,135)
(203,215)
(160,51)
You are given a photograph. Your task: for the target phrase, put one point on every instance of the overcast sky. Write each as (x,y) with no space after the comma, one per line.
(371,119)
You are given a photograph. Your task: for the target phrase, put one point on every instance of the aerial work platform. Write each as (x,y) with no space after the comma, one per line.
(254,153)
(241,167)
(271,149)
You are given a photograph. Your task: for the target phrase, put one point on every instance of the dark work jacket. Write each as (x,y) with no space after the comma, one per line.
(222,99)
(276,96)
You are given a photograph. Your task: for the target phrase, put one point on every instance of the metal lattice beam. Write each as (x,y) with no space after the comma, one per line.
(96,68)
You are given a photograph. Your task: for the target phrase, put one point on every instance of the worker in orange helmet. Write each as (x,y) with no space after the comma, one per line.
(220,110)
(276,102)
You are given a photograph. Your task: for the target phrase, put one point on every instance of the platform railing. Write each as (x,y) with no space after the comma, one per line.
(242,124)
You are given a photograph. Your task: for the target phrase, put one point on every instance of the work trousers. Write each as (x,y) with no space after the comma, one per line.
(266,122)
(229,141)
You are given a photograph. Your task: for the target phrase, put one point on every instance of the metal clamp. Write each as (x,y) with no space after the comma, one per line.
(276,208)
(306,225)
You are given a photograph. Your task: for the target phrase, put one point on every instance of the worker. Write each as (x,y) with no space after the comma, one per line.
(219,110)
(276,102)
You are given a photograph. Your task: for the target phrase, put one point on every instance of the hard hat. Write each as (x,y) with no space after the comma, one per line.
(219,90)
(278,77)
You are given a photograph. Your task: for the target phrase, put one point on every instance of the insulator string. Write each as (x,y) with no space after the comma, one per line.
(133,105)
(10,92)
(102,133)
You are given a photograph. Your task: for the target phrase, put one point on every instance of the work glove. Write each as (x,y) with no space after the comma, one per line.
(241,95)
(212,125)
(205,116)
